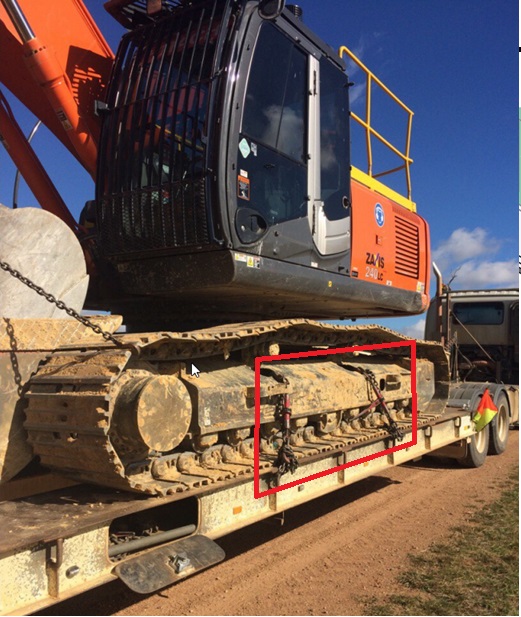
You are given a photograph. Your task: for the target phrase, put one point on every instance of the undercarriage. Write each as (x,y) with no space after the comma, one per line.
(138,417)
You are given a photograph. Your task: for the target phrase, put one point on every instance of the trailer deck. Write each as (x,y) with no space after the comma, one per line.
(59,544)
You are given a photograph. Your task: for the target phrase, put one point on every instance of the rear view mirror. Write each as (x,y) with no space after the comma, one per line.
(271,9)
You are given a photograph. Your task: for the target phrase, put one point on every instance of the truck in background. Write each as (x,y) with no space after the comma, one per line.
(482,327)
(480,330)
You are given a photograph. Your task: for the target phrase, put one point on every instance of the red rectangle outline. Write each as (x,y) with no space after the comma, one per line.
(326,352)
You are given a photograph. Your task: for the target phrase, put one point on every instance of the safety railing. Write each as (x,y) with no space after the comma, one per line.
(371,132)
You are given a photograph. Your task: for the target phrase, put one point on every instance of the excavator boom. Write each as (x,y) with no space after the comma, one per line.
(59,66)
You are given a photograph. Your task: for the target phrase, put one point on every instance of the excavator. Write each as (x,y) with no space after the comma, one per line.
(227,219)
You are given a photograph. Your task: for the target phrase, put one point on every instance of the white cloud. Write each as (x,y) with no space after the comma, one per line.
(351,66)
(465,244)
(465,258)
(412,327)
(486,274)
(415,330)
(366,43)
(356,92)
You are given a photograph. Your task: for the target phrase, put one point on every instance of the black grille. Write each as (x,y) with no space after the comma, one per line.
(144,221)
(407,259)
(152,190)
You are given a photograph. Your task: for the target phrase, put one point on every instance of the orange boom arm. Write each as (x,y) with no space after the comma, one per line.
(58,66)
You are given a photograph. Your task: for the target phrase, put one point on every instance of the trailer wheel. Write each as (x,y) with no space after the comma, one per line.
(477,449)
(499,427)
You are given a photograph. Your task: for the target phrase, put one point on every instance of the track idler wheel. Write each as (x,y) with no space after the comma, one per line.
(152,415)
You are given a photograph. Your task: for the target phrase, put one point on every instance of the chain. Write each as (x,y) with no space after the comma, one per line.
(286,459)
(14,358)
(392,427)
(61,305)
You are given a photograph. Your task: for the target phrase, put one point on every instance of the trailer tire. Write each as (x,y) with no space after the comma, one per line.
(477,449)
(499,427)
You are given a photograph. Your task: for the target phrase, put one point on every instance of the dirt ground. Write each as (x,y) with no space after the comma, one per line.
(330,554)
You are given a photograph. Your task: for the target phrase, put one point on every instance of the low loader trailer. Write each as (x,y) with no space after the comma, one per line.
(227,218)
(58,543)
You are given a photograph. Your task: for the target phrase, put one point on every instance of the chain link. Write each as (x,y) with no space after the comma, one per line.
(14,358)
(61,305)
(286,459)
(392,428)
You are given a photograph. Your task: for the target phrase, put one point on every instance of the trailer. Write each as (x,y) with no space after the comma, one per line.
(63,542)
(227,220)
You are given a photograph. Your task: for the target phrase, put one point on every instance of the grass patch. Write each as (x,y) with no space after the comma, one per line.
(475,573)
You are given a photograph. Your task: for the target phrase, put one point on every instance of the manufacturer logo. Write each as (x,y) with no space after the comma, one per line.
(375,260)
(379,215)
(375,263)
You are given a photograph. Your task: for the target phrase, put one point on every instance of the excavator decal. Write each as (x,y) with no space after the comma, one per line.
(375,260)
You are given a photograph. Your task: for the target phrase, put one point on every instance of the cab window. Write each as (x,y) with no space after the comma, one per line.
(479,313)
(272,161)
(334,140)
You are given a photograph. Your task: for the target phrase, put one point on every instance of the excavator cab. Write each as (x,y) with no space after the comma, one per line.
(224,187)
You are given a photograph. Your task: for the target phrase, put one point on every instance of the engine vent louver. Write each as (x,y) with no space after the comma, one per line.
(407,259)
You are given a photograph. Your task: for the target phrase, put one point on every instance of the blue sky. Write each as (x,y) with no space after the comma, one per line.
(453,62)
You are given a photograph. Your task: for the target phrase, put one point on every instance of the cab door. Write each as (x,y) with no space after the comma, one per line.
(329,177)
(272,161)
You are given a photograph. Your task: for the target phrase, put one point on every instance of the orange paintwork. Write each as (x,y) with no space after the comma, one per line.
(395,252)
(60,73)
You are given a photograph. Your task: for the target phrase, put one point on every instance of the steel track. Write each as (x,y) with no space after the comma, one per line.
(71,402)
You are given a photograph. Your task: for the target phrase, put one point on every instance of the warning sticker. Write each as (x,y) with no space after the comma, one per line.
(253,262)
(62,117)
(244,147)
(243,188)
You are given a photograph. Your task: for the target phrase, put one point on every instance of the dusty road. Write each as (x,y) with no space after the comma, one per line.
(330,554)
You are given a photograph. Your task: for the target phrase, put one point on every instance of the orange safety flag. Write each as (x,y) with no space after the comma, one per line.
(485,412)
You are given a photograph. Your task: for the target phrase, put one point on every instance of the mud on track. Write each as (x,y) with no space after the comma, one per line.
(330,554)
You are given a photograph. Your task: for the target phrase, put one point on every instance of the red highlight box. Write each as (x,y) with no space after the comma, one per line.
(328,352)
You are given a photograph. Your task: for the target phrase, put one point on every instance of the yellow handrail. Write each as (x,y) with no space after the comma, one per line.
(371,132)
